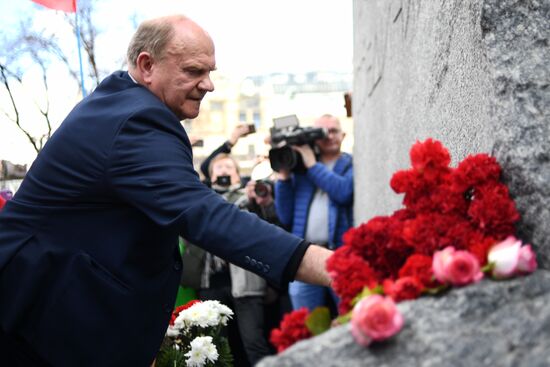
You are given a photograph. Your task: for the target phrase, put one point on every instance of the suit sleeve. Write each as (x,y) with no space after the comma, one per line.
(151,169)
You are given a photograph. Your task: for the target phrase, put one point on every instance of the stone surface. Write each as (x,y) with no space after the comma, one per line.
(516,37)
(419,71)
(473,74)
(492,323)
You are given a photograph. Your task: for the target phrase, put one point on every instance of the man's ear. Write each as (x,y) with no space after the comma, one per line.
(144,65)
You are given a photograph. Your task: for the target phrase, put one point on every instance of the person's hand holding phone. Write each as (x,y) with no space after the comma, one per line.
(239,131)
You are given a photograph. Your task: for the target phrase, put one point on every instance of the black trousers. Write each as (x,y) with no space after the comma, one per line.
(15,352)
(251,321)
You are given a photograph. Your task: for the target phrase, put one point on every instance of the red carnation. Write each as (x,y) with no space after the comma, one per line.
(350,274)
(475,170)
(419,267)
(493,211)
(292,329)
(178,309)
(403,289)
(429,155)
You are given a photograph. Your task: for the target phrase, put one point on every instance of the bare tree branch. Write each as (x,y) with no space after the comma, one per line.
(5,80)
(31,47)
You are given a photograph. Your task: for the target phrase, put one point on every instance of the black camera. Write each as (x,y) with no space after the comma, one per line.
(262,188)
(285,133)
(224,181)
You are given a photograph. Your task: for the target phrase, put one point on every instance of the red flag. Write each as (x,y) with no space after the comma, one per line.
(68,6)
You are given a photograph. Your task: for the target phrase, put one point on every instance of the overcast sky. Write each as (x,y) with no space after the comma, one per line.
(251,37)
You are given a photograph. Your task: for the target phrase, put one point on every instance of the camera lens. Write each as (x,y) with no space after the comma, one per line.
(261,190)
(223,181)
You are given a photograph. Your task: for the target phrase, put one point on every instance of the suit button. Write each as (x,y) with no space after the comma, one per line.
(247,259)
(266,268)
(253,262)
(177,266)
(260,264)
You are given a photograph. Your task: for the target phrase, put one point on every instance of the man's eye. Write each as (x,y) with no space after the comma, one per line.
(194,72)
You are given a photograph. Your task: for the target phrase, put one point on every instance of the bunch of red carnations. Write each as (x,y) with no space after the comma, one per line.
(457,225)
(298,325)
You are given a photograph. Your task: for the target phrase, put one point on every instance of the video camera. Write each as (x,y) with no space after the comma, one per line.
(285,133)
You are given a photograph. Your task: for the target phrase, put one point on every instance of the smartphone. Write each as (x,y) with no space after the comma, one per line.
(198,143)
(251,129)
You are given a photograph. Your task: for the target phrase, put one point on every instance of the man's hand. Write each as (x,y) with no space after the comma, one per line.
(312,269)
(249,190)
(308,156)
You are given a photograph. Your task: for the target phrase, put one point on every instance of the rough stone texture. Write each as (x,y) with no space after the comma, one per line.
(419,71)
(516,37)
(473,74)
(504,324)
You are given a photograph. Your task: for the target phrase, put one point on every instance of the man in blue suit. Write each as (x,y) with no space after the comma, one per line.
(89,265)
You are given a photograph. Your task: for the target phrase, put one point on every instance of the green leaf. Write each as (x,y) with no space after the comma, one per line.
(436,290)
(318,321)
(488,268)
(367,292)
(343,319)
(170,357)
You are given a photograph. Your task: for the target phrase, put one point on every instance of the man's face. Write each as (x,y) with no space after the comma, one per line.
(225,167)
(181,78)
(333,142)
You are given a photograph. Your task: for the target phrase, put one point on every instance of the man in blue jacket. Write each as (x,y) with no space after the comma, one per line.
(89,260)
(317,205)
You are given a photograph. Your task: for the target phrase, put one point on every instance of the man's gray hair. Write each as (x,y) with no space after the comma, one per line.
(151,36)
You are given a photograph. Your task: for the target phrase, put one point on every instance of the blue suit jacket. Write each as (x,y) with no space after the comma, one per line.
(89,265)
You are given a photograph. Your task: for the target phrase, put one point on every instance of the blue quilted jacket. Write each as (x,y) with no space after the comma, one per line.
(293,198)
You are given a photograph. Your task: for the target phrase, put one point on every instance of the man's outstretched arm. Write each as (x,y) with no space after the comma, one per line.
(312,268)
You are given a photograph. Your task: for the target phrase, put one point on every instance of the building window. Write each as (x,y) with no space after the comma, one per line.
(257,118)
(242,116)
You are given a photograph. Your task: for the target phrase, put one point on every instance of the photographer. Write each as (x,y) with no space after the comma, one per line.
(238,132)
(317,204)
(243,290)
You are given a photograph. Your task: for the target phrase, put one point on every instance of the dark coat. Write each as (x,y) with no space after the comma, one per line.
(89,265)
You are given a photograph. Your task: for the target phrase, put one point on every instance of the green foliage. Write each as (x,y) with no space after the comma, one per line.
(226,358)
(318,320)
(170,357)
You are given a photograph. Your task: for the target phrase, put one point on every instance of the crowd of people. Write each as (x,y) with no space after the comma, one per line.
(88,262)
(315,204)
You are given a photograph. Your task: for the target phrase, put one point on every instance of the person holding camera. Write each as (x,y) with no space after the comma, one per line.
(238,132)
(243,290)
(317,204)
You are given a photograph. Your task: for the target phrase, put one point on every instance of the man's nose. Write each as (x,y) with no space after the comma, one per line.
(206,84)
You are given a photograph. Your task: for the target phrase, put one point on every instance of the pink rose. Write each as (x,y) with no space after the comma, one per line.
(456,267)
(509,258)
(375,318)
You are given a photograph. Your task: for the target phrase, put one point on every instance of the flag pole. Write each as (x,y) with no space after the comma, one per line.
(79,51)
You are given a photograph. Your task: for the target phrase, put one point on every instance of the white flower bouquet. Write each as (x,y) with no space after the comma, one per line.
(194,338)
